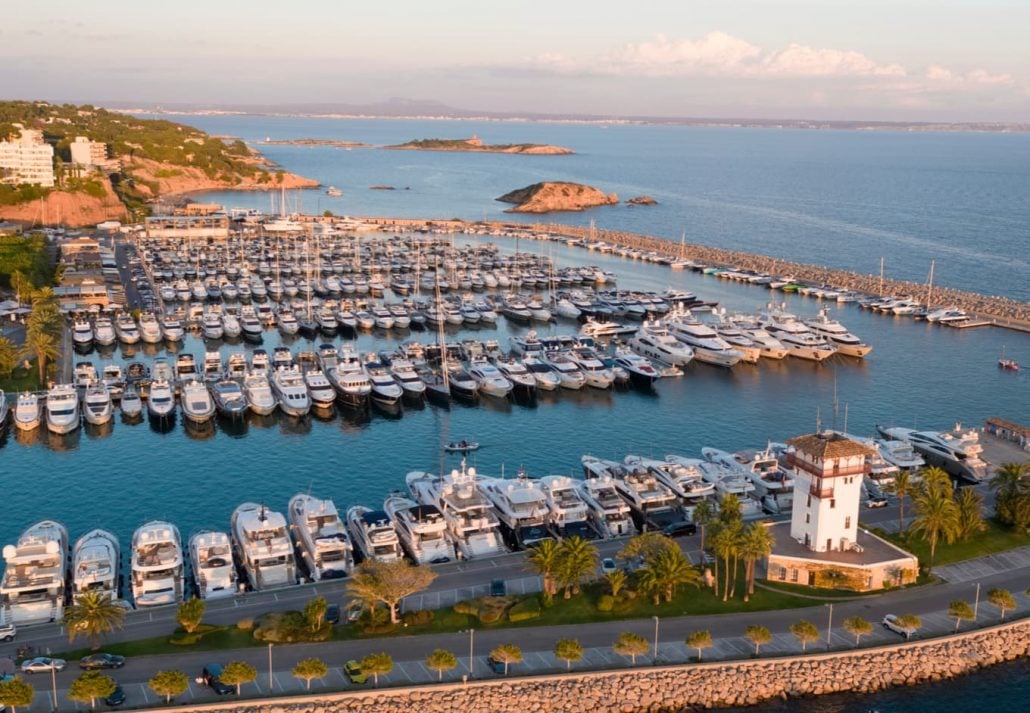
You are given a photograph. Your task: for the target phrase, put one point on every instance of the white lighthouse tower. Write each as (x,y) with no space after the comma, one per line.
(828,472)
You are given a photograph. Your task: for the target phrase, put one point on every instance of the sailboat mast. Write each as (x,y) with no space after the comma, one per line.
(929,285)
(881,275)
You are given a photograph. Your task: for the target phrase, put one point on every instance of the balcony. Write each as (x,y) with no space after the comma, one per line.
(820,490)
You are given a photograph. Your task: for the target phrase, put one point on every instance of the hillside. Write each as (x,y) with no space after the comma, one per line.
(157,157)
(476,145)
(554,196)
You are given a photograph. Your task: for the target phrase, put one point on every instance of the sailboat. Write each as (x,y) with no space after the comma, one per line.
(1007,364)
(682,263)
(438,385)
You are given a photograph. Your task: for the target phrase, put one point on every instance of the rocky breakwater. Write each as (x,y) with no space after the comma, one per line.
(719,684)
(556,196)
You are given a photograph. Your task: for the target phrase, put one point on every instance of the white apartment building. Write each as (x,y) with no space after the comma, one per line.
(27,159)
(88,153)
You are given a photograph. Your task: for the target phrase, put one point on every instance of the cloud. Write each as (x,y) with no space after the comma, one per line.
(716,52)
(803,61)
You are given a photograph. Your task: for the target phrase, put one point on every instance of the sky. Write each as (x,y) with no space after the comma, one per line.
(908,60)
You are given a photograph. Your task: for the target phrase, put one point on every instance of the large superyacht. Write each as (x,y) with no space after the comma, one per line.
(214,571)
(157,565)
(96,564)
(321,537)
(263,547)
(374,534)
(422,530)
(521,507)
(33,588)
(569,513)
(469,516)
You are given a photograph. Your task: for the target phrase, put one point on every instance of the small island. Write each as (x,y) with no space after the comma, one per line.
(475,144)
(642,200)
(333,143)
(554,196)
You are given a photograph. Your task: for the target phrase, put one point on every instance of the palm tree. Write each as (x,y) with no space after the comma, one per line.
(43,346)
(314,613)
(506,654)
(699,640)
(970,515)
(631,645)
(858,627)
(805,632)
(704,514)
(8,356)
(577,559)
(672,569)
(1003,599)
(902,488)
(757,635)
(1012,483)
(616,581)
(755,544)
(937,517)
(730,509)
(544,561)
(960,611)
(93,614)
(725,541)
(441,660)
(190,613)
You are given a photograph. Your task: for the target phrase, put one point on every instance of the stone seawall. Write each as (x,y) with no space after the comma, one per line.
(647,689)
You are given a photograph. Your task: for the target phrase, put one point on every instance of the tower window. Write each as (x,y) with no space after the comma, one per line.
(847,522)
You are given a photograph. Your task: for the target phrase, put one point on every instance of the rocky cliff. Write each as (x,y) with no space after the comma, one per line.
(553,196)
(476,145)
(74,209)
(172,180)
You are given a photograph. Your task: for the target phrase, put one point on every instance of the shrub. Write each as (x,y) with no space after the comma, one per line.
(418,618)
(245,624)
(467,607)
(289,627)
(605,603)
(489,610)
(526,609)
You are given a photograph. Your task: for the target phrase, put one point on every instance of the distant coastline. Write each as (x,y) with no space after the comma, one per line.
(475,145)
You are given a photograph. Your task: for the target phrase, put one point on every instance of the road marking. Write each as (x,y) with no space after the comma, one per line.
(143,689)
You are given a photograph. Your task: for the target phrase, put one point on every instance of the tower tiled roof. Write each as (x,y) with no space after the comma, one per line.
(825,446)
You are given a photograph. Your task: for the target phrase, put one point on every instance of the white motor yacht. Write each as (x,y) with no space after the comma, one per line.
(211,325)
(900,453)
(769,346)
(422,530)
(546,378)
(97,407)
(774,485)
(157,565)
(350,380)
(735,337)
(654,506)
(708,346)
(569,513)
(149,328)
(385,391)
(231,327)
(131,403)
(320,390)
(373,534)
(655,342)
(569,375)
(404,373)
(263,547)
(683,479)
(727,481)
(96,564)
(470,518)
(258,393)
(290,391)
(608,511)
(35,578)
(103,332)
(489,378)
(214,572)
(197,404)
(161,401)
(113,378)
(799,340)
(62,409)
(82,334)
(321,537)
(957,452)
(846,342)
(515,371)
(85,374)
(27,412)
(595,372)
(126,329)
(250,325)
(521,508)
(640,369)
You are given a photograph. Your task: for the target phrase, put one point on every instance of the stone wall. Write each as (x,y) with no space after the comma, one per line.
(648,688)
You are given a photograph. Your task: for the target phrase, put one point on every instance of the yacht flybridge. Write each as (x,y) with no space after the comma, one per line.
(422,530)
(708,346)
(96,563)
(682,478)
(569,513)
(773,485)
(62,409)
(33,587)
(521,508)
(654,506)
(374,534)
(609,513)
(263,547)
(655,342)
(321,537)
(214,571)
(846,342)
(157,565)
(470,519)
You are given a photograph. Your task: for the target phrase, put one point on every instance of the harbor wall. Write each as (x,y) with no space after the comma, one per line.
(647,688)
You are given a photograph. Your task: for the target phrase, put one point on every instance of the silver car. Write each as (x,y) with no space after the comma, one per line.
(42,664)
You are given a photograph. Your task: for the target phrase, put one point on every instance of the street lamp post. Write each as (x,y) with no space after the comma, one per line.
(976,602)
(829,624)
(53,680)
(656,640)
(270,682)
(472,638)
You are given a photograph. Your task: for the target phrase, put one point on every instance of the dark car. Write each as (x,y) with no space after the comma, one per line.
(495,665)
(498,588)
(117,698)
(680,529)
(332,614)
(212,678)
(94,661)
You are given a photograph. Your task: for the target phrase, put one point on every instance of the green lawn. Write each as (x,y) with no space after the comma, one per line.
(996,538)
(21,380)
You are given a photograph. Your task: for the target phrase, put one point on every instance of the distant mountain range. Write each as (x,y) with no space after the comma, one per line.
(399,108)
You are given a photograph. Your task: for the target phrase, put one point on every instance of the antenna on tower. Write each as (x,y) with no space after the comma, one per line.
(818,421)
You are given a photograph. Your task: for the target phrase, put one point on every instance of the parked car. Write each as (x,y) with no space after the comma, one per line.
(608,565)
(352,669)
(876,501)
(707,558)
(680,529)
(117,698)
(42,664)
(495,665)
(498,588)
(211,676)
(332,614)
(890,622)
(354,611)
(8,632)
(94,661)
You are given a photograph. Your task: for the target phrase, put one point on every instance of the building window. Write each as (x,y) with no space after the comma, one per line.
(809,500)
(783,574)
(847,522)
(833,503)
(793,575)
(808,518)
(829,544)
